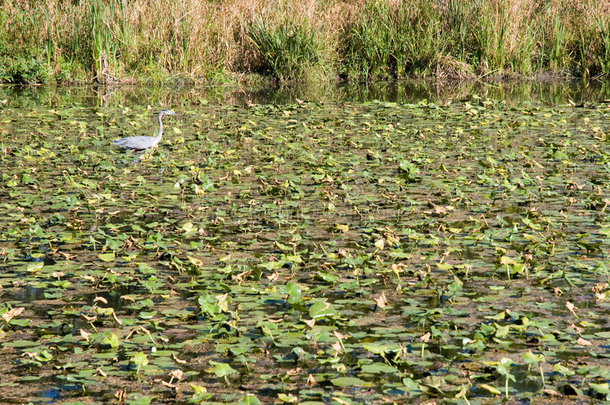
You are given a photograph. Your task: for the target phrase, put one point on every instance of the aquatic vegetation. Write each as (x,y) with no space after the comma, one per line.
(222,41)
(310,252)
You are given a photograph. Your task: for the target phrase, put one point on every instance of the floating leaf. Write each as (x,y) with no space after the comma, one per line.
(380,348)
(376,368)
(113,340)
(250,399)
(106,257)
(222,369)
(347,382)
(321,309)
(34,267)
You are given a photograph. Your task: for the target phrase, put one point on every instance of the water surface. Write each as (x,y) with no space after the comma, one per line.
(395,243)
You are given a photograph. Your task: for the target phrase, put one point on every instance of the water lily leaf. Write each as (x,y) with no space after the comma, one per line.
(147,314)
(563,369)
(321,309)
(294,258)
(272,265)
(111,339)
(503,368)
(532,358)
(380,348)
(188,227)
(287,398)
(145,269)
(283,247)
(412,386)
(106,257)
(200,394)
(408,167)
(139,359)
(376,368)
(20,322)
(137,399)
(34,267)
(502,331)
(559,155)
(206,183)
(209,305)
(603,388)
(347,382)
(293,291)
(330,278)
(221,369)
(250,399)
(195,261)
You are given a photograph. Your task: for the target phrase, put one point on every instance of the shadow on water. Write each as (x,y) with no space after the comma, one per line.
(545,92)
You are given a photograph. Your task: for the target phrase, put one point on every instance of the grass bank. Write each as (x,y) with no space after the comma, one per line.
(144,40)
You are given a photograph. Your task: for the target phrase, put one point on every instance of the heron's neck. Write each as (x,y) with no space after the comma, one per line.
(160,133)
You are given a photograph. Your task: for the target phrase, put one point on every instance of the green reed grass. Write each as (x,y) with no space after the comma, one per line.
(289,49)
(603,25)
(291,39)
(387,40)
(458,15)
(559,42)
(495,21)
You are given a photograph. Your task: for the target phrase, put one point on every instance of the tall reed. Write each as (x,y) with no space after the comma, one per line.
(392,39)
(603,25)
(292,39)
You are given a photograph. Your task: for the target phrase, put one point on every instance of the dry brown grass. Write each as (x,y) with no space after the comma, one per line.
(196,37)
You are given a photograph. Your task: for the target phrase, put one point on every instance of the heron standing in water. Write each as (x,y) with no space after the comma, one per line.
(139,143)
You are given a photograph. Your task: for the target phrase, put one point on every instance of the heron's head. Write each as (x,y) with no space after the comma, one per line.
(166,112)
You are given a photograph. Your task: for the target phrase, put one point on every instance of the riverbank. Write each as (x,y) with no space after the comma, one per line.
(227,41)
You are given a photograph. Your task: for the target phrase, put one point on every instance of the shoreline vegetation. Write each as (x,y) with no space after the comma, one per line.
(120,41)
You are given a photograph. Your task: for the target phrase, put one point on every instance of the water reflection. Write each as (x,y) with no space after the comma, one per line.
(535,92)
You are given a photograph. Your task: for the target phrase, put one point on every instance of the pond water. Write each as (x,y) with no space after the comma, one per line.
(551,92)
(392,244)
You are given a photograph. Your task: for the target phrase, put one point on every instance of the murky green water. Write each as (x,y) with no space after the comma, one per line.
(307,245)
(552,92)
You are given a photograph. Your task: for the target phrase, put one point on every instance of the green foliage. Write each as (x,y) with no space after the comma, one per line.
(289,50)
(594,47)
(603,55)
(461,235)
(23,69)
(139,359)
(222,370)
(391,40)
(375,39)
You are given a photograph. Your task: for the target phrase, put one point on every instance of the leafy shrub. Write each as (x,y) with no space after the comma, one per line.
(23,70)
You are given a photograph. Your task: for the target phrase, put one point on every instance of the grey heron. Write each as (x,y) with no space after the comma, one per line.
(144,142)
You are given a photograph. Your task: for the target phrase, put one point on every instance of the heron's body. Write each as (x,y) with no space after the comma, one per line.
(144,142)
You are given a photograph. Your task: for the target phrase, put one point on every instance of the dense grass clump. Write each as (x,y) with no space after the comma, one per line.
(395,40)
(289,39)
(289,51)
